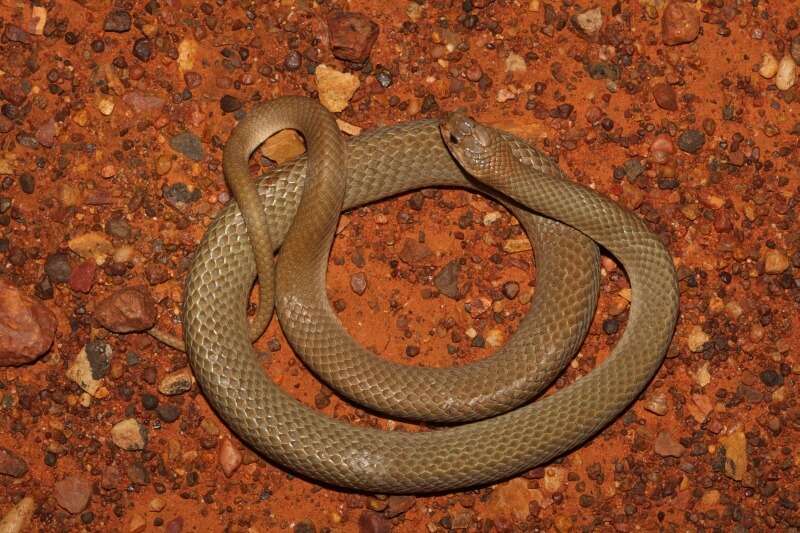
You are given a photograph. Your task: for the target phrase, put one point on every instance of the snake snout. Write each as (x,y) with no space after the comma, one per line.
(468,141)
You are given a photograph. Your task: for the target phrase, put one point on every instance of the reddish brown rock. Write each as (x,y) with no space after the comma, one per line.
(11,464)
(82,277)
(127,310)
(415,253)
(372,522)
(27,327)
(352,36)
(46,133)
(72,493)
(680,24)
(665,96)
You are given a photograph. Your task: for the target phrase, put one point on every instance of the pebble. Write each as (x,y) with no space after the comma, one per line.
(335,88)
(397,505)
(520,244)
(129,435)
(787,73)
(117,21)
(46,133)
(137,523)
(657,404)
(372,522)
(92,245)
(27,327)
(680,23)
(691,141)
(176,383)
(665,445)
(446,280)
(143,49)
(769,66)
(352,36)
(82,277)
(415,253)
(105,106)
(735,454)
(770,378)
(514,63)
(127,310)
(142,103)
(775,261)
(188,144)
(88,371)
(589,22)
(229,457)
(495,337)
(18,517)
(229,104)
(665,96)
(284,146)
(358,283)
(168,413)
(509,500)
(292,61)
(11,464)
(157,505)
(72,493)
(57,268)
(510,289)
(697,339)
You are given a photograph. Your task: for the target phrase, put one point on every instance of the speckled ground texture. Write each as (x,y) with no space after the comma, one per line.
(113,117)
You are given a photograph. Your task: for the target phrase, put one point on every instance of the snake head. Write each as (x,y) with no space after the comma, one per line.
(473,145)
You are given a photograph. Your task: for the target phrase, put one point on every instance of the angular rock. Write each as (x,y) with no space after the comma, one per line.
(129,435)
(27,327)
(176,383)
(335,88)
(446,280)
(118,21)
(88,372)
(127,310)
(735,455)
(73,493)
(509,501)
(189,145)
(229,457)
(352,36)
(142,103)
(775,261)
(666,446)
(18,517)
(284,146)
(82,277)
(11,464)
(415,253)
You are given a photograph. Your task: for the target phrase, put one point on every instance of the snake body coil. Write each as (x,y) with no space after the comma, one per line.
(382,163)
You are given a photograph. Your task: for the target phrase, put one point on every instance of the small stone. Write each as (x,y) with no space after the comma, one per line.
(666,446)
(27,327)
(89,377)
(657,404)
(680,23)
(775,261)
(127,310)
(117,21)
(229,104)
(771,378)
(372,522)
(703,377)
(73,493)
(157,505)
(11,464)
(352,36)
(397,505)
(735,455)
(46,133)
(589,22)
(187,51)
(82,277)
(358,283)
(36,27)
(509,501)
(415,253)
(142,103)
(335,88)
(700,407)
(292,61)
(510,289)
(176,383)
(143,49)
(188,144)
(787,73)
(92,245)
(168,413)
(284,146)
(691,141)
(129,435)
(495,337)
(105,106)
(769,66)
(18,518)
(665,96)
(520,244)
(697,339)
(446,280)
(16,34)
(229,457)
(137,523)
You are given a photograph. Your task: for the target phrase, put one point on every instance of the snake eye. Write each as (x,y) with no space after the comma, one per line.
(453,138)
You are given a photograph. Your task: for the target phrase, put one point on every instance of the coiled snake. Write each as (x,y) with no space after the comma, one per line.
(337,175)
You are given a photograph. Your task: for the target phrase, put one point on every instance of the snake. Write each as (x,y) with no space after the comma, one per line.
(295,210)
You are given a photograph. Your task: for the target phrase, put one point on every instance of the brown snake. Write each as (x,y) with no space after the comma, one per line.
(375,165)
